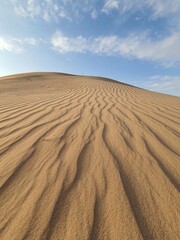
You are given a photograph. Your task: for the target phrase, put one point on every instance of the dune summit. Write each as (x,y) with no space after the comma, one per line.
(85,158)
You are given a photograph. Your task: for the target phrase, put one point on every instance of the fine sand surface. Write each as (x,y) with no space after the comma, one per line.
(86,158)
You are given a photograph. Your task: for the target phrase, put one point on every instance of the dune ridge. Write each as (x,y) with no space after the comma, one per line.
(87,158)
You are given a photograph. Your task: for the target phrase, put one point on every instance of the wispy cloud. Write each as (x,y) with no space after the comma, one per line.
(110,5)
(46,9)
(54,10)
(64,44)
(163,83)
(135,46)
(163,7)
(94,14)
(11,44)
(77,10)
(159,8)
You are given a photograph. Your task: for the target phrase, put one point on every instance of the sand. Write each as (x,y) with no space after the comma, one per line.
(87,158)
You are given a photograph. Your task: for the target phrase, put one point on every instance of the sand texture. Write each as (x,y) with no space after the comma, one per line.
(86,158)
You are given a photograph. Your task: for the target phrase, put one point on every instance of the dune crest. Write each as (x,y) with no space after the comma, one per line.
(87,158)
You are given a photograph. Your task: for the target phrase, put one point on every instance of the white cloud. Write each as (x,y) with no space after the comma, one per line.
(111,5)
(58,9)
(164,7)
(47,9)
(54,10)
(27,8)
(137,46)
(64,44)
(94,14)
(159,7)
(26,41)
(163,83)
(10,44)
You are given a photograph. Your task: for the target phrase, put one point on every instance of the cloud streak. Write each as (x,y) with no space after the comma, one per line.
(10,44)
(134,46)
(110,5)
(47,9)
(163,83)
(54,10)
(159,8)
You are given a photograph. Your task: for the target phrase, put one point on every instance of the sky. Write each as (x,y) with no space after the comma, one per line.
(132,41)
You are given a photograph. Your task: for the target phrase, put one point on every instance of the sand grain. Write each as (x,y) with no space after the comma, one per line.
(87,158)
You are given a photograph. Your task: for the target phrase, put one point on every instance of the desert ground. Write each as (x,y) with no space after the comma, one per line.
(87,158)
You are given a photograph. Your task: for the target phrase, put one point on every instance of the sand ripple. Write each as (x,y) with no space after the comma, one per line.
(87,158)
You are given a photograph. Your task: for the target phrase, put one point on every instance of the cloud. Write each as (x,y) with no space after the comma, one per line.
(64,44)
(9,45)
(135,46)
(94,14)
(17,45)
(150,11)
(54,10)
(111,5)
(159,8)
(163,83)
(47,9)
(26,8)
(32,41)
(164,7)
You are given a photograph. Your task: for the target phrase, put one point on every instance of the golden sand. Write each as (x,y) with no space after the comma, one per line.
(85,158)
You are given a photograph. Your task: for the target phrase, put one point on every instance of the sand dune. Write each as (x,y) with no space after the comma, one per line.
(87,158)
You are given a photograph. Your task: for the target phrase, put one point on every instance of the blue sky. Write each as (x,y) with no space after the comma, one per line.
(133,41)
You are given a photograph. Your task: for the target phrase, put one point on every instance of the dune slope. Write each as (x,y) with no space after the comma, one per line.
(87,158)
